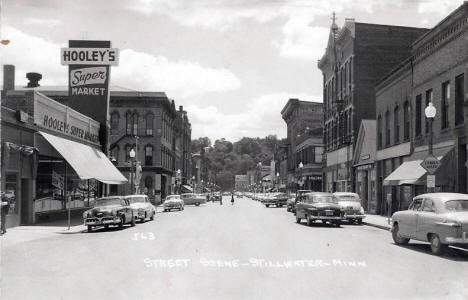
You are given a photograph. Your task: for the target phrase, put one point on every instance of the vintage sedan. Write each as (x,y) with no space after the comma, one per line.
(192,199)
(291,203)
(142,207)
(319,206)
(277,199)
(438,218)
(173,202)
(114,210)
(351,204)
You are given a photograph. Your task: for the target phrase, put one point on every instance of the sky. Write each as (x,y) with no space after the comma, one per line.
(232,64)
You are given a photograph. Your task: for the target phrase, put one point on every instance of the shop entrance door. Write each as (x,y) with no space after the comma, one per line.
(26,201)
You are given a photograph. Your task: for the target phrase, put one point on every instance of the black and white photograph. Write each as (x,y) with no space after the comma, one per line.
(233,149)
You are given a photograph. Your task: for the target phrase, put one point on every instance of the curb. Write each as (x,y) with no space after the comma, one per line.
(377,226)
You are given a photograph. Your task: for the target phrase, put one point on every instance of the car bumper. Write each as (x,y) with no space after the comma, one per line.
(358,216)
(274,202)
(457,241)
(173,207)
(102,221)
(325,218)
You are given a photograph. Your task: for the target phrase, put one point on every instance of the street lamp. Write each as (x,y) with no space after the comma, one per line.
(301,165)
(132,156)
(178,181)
(193,184)
(277,181)
(430,113)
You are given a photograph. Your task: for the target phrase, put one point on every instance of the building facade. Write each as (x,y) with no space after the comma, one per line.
(357,56)
(435,72)
(304,144)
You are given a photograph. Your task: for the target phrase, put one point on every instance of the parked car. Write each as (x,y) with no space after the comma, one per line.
(319,206)
(115,210)
(142,207)
(291,204)
(351,204)
(173,202)
(192,199)
(438,218)
(277,199)
(215,197)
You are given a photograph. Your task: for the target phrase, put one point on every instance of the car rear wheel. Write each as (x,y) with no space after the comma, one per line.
(359,221)
(267,205)
(436,245)
(309,220)
(398,239)
(298,220)
(90,228)
(197,204)
(337,223)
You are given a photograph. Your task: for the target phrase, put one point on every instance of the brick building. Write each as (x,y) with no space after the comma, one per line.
(357,55)
(436,71)
(304,144)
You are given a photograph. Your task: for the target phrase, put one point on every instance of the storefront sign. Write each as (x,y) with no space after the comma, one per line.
(57,117)
(365,167)
(89,75)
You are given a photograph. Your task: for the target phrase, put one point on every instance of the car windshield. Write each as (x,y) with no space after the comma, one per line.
(172,197)
(136,199)
(321,199)
(348,198)
(457,205)
(108,201)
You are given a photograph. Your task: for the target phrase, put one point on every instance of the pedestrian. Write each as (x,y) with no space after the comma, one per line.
(232,198)
(5,207)
(221,199)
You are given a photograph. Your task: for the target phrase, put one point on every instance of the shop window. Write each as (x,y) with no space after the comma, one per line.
(10,192)
(149,155)
(459,95)
(445,104)
(129,123)
(418,115)
(149,124)
(428,100)
(114,123)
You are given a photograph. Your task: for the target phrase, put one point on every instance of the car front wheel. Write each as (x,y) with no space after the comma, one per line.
(298,220)
(90,228)
(132,223)
(436,245)
(398,239)
(359,221)
(152,216)
(122,222)
(309,220)
(267,205)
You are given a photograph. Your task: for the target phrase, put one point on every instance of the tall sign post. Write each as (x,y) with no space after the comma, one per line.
(88,81)
(430,163)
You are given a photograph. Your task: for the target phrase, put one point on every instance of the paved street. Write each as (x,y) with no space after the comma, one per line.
(245,251)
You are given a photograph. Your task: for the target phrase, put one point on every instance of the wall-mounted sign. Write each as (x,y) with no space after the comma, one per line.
(57,117)
(88,77)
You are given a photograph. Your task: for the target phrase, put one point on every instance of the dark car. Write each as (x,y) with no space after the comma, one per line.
(107,211)
(216,196)
(319,206)
(277,199)
(291,202)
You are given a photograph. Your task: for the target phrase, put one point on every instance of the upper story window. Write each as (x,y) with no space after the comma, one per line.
(459,99)
(129,123)
(318,154)
(114,123)
(379,132)
(418,115)
(396,124)
(406,120)
(128,148)
(135,124)
(387,128)
(149,124)
(445,105)
(148,155)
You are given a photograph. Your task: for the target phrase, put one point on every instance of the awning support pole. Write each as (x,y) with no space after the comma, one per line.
(66,197)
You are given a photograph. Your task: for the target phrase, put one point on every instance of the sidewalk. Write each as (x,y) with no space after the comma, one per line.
(377,221)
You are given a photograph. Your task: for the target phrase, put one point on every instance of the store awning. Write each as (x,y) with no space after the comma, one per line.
(88,162)
(188,188)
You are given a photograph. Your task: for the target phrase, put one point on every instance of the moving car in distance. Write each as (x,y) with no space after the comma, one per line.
(216,197)
(114,210)
(173,202)
(351,204)
(438,218)
(319,206)
(192,199)
(142,207)
(277,199)
(291,203)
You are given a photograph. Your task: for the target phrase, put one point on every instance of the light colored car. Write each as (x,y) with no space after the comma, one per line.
(438,218)
(173,202)
(142,207)
(192,199)
(114,210)
(351,204)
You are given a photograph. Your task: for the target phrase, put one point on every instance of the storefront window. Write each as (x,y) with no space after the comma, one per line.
(11,192)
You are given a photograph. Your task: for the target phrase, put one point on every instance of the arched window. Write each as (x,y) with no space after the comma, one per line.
(129,123)
(135,124)
(149,124)
(114,122)
(148,155)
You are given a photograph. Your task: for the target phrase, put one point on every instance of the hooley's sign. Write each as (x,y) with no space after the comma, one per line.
(89,75)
